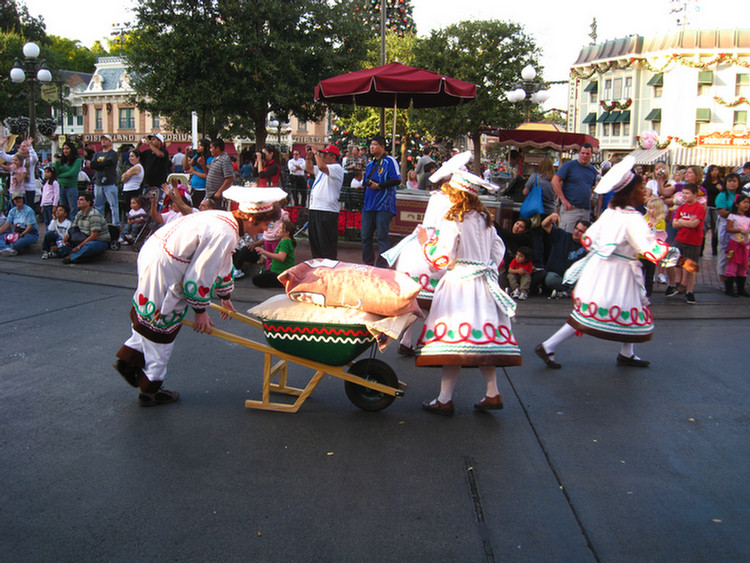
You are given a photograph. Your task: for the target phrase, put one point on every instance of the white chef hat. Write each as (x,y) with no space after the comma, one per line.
(619,176)
(254,200)
(460,178)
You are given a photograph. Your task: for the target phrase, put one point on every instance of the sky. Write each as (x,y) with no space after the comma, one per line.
(560,28)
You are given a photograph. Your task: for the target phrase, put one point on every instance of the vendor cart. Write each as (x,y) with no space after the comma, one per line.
(370,383)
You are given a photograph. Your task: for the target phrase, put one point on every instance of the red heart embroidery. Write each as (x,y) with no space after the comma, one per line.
(142,300)
(227,278)
(203,291)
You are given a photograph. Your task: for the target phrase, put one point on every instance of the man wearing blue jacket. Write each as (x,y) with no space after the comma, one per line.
(381,179)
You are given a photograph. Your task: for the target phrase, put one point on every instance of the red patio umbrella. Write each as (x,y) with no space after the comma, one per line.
(396,85)
(541,138)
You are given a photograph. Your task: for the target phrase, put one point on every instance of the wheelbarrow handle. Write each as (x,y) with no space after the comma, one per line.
(239,316)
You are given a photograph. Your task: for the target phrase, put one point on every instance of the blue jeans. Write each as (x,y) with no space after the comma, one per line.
(109,193)
(371,221)
(27,240)
(91,248)
(69,197)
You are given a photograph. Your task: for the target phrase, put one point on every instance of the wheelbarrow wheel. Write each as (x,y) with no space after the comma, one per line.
(372,370)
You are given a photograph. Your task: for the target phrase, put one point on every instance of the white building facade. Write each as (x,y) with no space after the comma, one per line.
(691,87)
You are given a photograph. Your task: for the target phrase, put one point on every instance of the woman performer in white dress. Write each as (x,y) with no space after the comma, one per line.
(469,321)
(609,299)
(185,264)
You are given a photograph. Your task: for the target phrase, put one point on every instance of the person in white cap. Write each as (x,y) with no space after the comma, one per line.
(155,161)
(185,264)
(609,299)
(469,321)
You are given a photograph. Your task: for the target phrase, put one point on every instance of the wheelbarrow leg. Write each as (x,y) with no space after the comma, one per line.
(267,404)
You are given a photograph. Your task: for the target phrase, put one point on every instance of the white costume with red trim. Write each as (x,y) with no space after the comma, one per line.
(408,256)
(186,262)
(469,321)
(609,299)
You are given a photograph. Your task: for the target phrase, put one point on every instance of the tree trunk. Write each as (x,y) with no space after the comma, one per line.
(476,138)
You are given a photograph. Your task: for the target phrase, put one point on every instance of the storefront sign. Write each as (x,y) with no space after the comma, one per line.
(136,137)
(737,137)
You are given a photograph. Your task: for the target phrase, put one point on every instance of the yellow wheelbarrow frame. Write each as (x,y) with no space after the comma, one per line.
(275,365)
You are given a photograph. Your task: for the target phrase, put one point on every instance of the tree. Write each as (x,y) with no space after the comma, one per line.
(234,61)
(15,18)
(488,53)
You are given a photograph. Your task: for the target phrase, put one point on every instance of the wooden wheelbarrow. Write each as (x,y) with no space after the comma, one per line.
(370,383)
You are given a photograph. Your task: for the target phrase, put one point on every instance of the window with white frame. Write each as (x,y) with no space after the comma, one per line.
(127,118)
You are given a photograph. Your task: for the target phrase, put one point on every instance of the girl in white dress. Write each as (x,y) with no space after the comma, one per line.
(609,300)
(469,321)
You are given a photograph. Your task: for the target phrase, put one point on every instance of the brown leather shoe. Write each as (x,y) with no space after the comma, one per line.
(446,409)
(490,403)
(542,353)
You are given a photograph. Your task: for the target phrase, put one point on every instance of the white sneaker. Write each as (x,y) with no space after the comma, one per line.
(661,278)
(238,274)
(515,294)
(523,296)
(8,252)
(553,295)
(45,255)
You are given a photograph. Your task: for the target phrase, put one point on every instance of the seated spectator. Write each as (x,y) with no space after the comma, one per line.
(136,219)
(175,205)
(282,259)
(519,273)
(517,237)
(56,230)
(89,234)
(19,230)
(565,248)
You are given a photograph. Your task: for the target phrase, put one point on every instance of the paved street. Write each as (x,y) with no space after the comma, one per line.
(590,463)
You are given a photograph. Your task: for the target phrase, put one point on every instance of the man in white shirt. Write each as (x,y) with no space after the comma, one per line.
(323,220)
(297,179)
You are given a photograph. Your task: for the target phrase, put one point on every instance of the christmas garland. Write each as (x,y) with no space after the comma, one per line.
(616,104)
(734,104)
(685,60)
(665,144)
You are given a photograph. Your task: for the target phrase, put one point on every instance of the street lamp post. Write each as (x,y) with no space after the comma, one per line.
(33,70)
(528,91)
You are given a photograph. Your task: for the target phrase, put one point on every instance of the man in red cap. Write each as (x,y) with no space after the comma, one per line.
(323,221)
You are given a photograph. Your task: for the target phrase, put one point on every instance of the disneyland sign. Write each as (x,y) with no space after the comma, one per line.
(137,137)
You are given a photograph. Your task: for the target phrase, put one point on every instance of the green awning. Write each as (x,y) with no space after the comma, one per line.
(592,86)
(613,115)
(590,118)
(703,114)
(603,117)
(624,117)
(654,115)
(706,77)
(656,80)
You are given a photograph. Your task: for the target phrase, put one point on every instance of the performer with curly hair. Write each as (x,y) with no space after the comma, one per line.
(469,321)
(609,299)
(185,264)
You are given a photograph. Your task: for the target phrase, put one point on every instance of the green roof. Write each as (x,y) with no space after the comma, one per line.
(613,116)
(656,80)
(706,77)
(654,115)
(624,117)
(703,114)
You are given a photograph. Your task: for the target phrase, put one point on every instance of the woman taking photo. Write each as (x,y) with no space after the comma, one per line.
(267,165)
(67,169)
